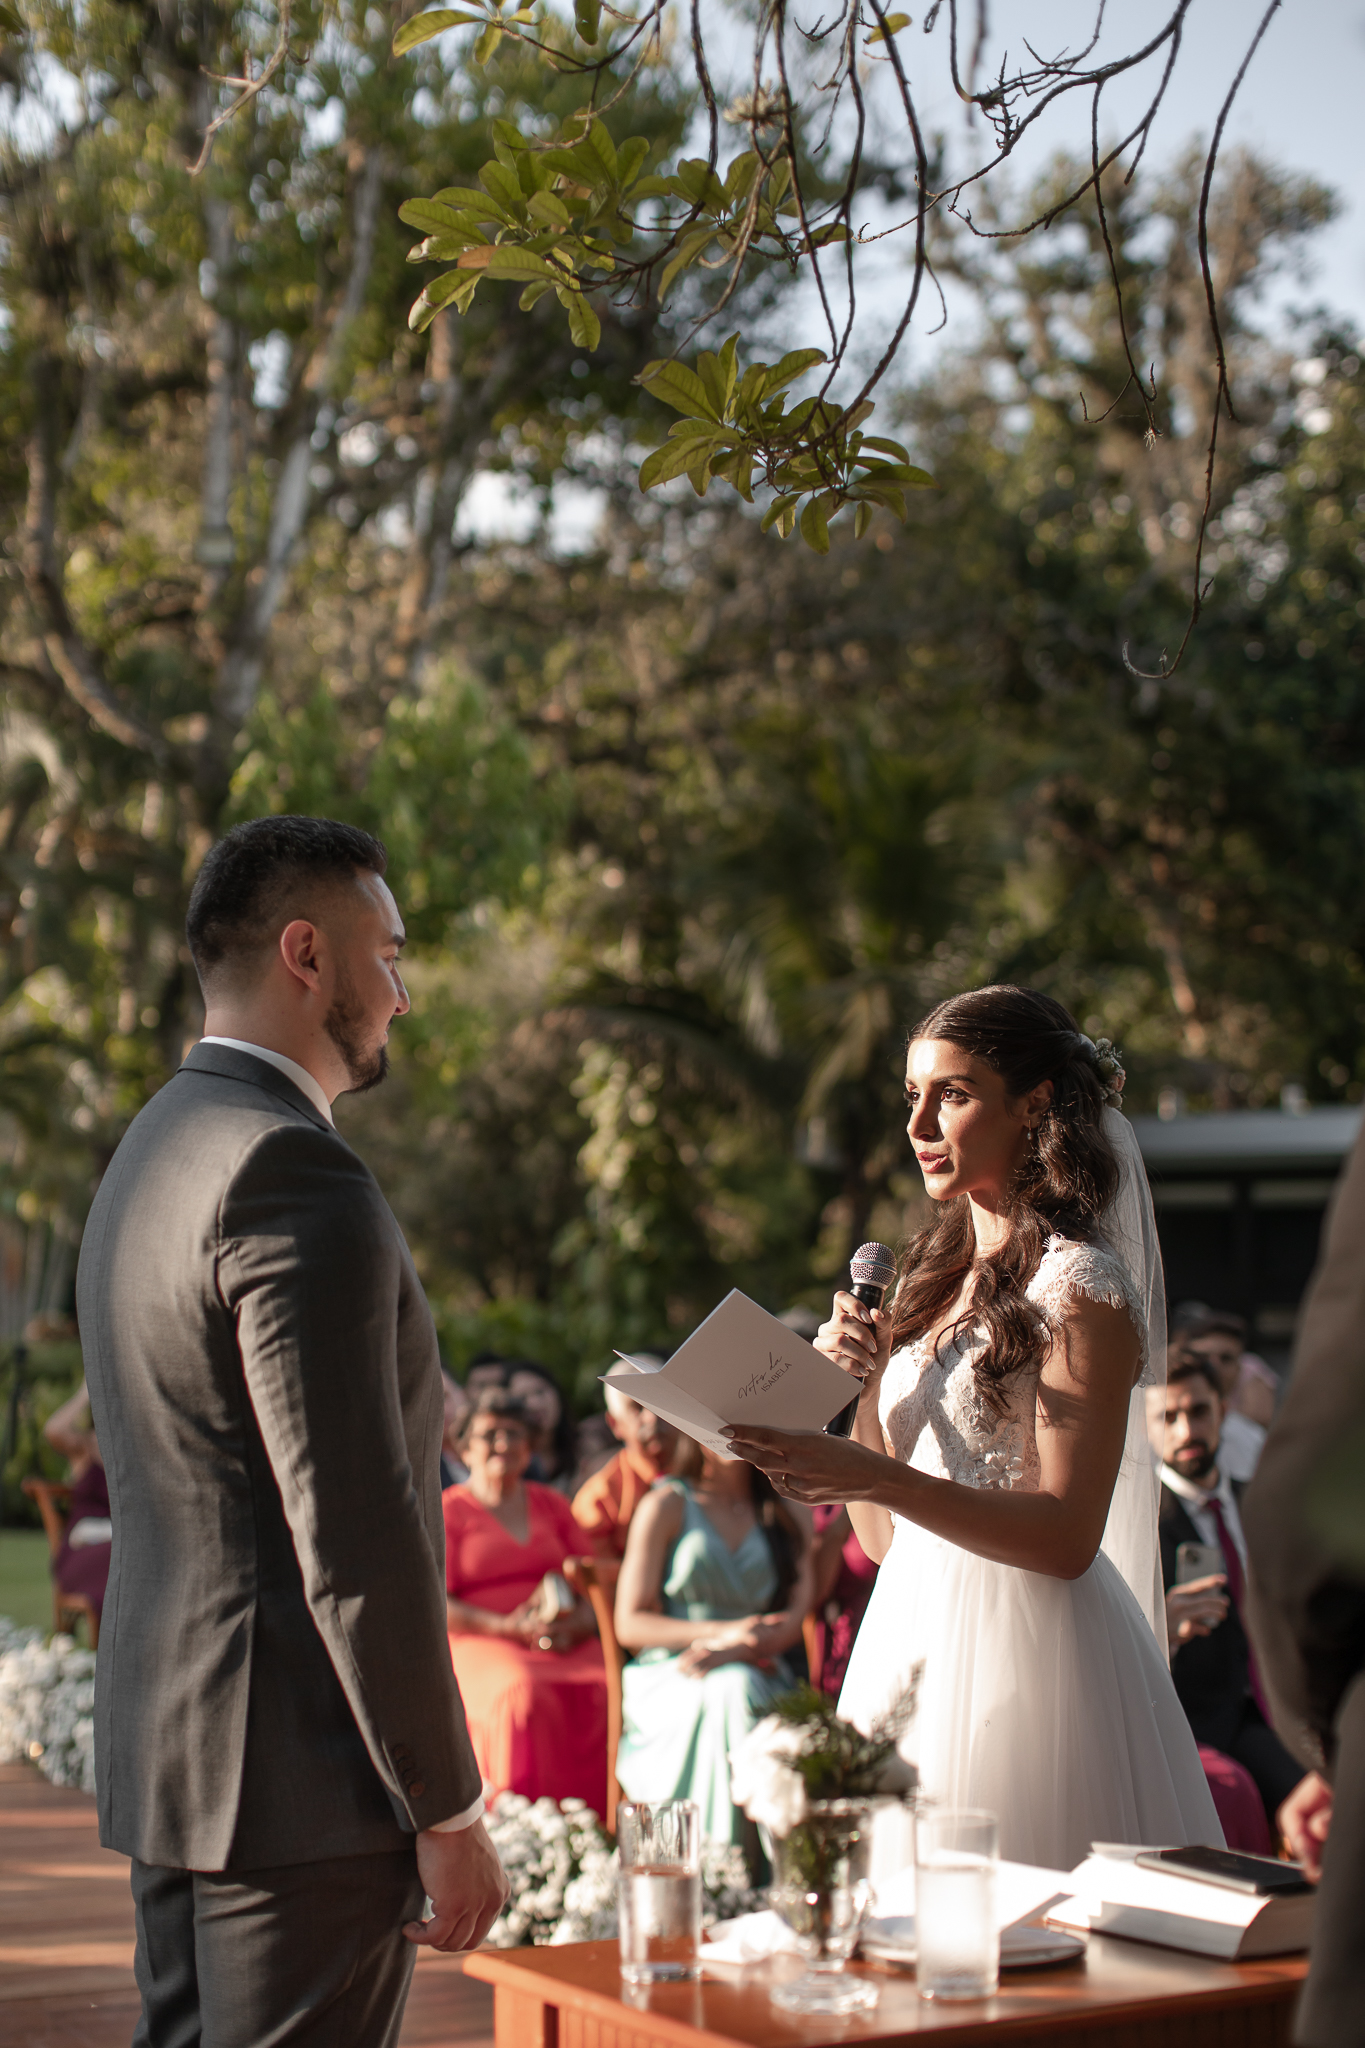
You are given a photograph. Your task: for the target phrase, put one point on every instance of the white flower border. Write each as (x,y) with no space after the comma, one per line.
(47,1705)
(561,1864)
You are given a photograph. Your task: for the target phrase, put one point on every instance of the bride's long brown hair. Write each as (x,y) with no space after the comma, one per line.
(1067,1177)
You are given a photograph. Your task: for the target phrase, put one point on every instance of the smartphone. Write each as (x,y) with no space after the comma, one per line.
(1263,1875)
(1198,1561)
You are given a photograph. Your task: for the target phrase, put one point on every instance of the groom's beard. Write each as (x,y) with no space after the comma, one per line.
(344,1022)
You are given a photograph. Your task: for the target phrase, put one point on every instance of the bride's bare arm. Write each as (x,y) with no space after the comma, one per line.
(1082,1419)
(858,1340)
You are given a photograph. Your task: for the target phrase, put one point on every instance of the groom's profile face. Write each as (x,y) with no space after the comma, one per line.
(367,939)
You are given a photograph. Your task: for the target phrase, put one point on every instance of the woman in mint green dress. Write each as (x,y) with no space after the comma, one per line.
(714,1587)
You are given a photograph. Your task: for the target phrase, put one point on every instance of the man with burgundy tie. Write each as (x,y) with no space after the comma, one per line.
(1212,1662)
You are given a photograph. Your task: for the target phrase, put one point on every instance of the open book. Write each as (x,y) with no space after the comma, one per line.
(740,1365)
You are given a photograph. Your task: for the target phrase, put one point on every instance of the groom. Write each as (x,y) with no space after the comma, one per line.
(279,1742)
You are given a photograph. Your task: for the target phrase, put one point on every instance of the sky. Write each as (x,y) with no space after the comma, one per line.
(1300,103)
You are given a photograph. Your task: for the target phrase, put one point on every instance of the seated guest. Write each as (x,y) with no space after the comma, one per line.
(715,1583)
(553,1447)
(844,1576)
(1219,1341)
(533,1682)
(603,1506)
(1212,1662)
(82,1563)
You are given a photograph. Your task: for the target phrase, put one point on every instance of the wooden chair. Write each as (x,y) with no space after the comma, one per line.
(810,1636)
(67,1608)
(595,1579)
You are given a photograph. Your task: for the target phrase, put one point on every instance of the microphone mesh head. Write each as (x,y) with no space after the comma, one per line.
(872,1265)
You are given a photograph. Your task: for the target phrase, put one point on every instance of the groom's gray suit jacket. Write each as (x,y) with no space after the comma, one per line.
(273,1683)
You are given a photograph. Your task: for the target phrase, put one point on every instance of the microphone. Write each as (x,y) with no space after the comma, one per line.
(871,1270)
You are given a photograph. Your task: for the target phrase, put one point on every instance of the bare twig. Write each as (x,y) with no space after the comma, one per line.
(249,88)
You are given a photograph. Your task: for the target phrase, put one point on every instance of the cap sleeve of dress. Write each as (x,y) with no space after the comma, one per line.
(1068,1268)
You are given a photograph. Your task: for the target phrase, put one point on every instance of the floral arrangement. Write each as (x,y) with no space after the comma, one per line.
(802,1755)
(561,1864)
(47,1705)
(562,1869)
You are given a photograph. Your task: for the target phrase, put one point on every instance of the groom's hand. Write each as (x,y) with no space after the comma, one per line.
(807,1465)
(466,1884)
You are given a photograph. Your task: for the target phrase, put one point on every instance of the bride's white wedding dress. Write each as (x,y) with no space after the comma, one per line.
(1046,1700)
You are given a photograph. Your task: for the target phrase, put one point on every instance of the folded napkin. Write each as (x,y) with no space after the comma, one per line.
(752,1938)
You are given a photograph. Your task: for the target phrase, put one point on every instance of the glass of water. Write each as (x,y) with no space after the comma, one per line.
(957,1930)
(660,1891)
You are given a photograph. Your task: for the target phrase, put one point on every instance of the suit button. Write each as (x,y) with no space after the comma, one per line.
(401,1752)
(417,1788)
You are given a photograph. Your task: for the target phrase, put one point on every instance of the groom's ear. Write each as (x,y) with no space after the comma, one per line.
(300,947)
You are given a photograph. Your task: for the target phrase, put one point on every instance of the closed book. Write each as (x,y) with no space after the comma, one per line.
(1114,1895)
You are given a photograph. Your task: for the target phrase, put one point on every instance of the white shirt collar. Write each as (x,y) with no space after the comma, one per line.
(1198,1496)
(306,1083)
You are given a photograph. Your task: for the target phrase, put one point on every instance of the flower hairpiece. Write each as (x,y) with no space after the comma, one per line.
(1107,1060)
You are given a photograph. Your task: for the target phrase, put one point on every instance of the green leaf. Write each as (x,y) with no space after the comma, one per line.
(862,519)
(700,184)
(898,473)
(672,460)
(674,384)
(793,365)
(447,248)
(505,186)
(815,525)
(487,43)
(892,26)
(549,209)
(776,511)
(518,265)
(629,158)
(586,16)
(532,293)
(456,285)
(886,447)
(739,179)
(423,27)
(584,325)
(717,373)
(435,216)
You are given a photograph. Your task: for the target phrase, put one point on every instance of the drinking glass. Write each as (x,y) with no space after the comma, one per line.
(957,1931)
(660,1891)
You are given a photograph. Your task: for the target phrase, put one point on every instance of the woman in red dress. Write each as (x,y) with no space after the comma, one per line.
(533,1684)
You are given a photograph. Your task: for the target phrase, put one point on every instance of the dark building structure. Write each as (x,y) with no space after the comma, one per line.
(1240,1198)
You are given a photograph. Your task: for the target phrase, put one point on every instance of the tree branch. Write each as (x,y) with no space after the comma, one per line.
(73,662)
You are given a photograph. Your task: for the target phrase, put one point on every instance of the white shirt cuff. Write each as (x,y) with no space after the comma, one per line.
(458,1820)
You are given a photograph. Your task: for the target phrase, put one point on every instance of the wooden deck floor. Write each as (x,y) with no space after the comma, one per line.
(66,1937)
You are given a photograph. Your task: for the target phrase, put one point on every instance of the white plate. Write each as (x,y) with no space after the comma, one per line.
(1021,1948)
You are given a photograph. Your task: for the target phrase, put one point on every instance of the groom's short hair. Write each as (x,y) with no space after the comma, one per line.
(261,876)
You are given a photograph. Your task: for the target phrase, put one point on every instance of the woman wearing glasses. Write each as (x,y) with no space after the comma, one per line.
(532,1679)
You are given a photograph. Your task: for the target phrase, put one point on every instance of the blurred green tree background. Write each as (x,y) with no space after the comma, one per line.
(688,826)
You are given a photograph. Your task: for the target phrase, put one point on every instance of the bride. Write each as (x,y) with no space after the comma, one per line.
(999,1467)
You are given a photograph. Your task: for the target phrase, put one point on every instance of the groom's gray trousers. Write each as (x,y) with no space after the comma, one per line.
(311,1955)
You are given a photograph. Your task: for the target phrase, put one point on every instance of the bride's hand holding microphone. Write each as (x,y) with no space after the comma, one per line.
(835,1465)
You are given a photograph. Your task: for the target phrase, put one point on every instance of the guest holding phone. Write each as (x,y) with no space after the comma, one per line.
(1212,1662)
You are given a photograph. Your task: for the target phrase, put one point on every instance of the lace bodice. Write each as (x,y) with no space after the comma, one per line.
(930,1408)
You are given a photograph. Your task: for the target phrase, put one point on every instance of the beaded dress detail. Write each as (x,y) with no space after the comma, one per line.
(1044,1699)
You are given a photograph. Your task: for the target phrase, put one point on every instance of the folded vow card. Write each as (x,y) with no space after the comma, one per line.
(740,1365)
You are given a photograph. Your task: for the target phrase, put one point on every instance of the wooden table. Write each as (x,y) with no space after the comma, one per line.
(1121,1994)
